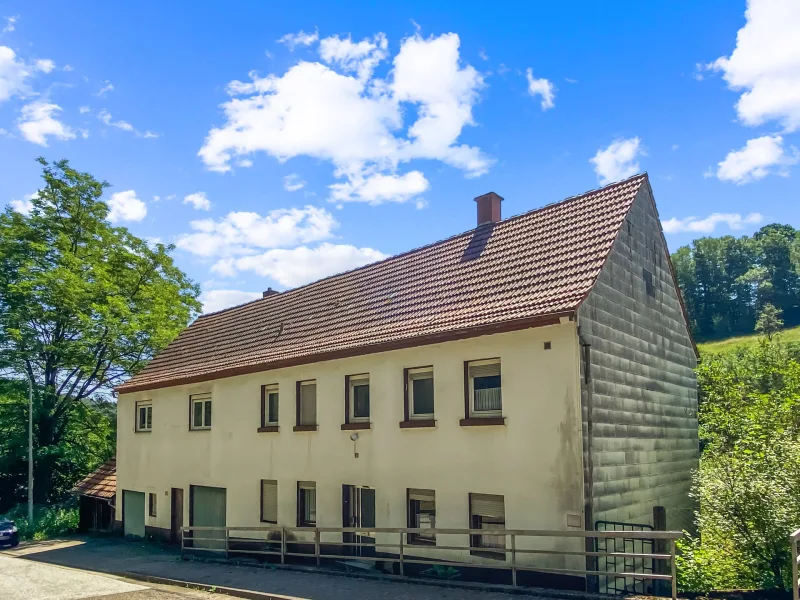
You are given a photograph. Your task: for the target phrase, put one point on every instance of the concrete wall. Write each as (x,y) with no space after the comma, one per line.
(534,460)
(640,408)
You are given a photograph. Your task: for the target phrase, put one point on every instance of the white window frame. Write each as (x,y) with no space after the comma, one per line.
(409,382)
(354,381)
(271,389)
(200,399)
(477,414)
(147,405)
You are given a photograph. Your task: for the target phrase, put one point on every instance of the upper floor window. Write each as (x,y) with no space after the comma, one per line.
(144,416)
(269,405)
(484,397)
(357,389)
(201,411)
(307,403)
(419,385)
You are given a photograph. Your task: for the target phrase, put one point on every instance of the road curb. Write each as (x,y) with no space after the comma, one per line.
(217,589)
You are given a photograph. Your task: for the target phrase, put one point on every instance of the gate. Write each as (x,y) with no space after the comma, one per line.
(610,561)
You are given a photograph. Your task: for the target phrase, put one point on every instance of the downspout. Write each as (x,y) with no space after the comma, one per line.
(592,583)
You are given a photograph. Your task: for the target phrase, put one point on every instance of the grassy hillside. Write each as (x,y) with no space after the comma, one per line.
(787,335)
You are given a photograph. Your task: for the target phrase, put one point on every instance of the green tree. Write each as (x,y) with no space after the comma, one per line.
(769,321)
(83,305)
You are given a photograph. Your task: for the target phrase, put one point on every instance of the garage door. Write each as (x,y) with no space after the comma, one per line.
(133,513)
(208,510)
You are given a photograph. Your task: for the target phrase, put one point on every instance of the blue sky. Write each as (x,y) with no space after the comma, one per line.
(276,143)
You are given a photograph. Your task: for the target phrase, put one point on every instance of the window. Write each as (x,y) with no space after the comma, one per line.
(357,400)
(269,405)
(201,411)
(419,384)
(649,284)
(144,416)
(269,501)
(152,499)
(307,403)
(421,515)
(487,511)
(484,395)
(306,504)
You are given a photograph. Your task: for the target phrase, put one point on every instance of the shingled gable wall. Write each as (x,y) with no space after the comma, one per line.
(640,405)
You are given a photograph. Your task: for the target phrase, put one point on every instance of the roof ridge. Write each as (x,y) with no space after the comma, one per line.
(549,206)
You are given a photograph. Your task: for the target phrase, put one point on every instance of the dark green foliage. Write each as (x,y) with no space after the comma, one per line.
(49,521)
(83,305)
(726,282)
(749,477)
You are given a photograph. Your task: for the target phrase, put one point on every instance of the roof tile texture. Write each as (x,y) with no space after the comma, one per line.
(540,263)
(102,483)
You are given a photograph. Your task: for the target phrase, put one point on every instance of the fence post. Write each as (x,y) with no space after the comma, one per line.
(316,545)
(283,545)
(227,542)
(513,559)
(401,553)
(795,591)
(660,567)
(674,569)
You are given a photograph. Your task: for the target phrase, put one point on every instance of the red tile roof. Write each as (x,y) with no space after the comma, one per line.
(102,483)
(515,273)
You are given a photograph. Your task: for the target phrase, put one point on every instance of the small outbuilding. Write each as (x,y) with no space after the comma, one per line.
(97,492)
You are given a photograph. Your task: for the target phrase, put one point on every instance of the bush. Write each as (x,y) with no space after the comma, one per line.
(48,521)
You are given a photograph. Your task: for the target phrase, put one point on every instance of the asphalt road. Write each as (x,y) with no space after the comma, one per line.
(27,580)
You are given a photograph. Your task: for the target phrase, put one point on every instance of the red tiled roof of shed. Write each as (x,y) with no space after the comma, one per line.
(102,483)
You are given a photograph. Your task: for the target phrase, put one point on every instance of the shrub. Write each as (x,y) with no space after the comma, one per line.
(48,521)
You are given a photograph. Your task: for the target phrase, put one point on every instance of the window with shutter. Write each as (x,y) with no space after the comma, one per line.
(269,501)
(307,409)
(485,395)
(487,511)
(421,515)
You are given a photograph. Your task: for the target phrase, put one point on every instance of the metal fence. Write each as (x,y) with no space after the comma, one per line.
(518,555)
(610,560)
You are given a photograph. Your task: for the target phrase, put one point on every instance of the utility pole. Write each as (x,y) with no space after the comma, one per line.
(30,451)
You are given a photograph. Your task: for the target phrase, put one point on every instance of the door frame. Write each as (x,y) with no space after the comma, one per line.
(352,513)
(176,500)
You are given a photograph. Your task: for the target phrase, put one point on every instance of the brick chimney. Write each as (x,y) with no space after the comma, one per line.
(269,292)
(488,208)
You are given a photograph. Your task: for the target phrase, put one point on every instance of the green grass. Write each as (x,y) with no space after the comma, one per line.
(787,335)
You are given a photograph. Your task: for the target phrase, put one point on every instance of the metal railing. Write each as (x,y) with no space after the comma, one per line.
(793,541)
(389,544)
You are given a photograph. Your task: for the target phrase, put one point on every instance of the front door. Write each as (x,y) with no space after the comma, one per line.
(176,515)
(133,513)
(358,505)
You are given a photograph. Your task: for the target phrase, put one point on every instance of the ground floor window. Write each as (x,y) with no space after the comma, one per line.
(269,501)
(306,504)
(152,500)
(487,511)
(421,515)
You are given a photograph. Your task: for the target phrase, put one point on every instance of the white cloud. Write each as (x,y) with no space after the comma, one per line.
(39,121)
(11,24)
(106,118)
(67,68)
(45,65)
(734,221)
(766,64)
(126,206)
(107,87)
(361,57)
(378,188)
(482,54)
(300,265)
(14,74)
(301,38)
(198,200)
(541,87)
(357,122)
(24,206)
(84,110)
(292,183)
(618,160)
(214,300)
(248,232)
(759,157)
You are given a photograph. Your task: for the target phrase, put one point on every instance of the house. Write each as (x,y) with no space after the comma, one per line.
(97,492)
(534,373)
